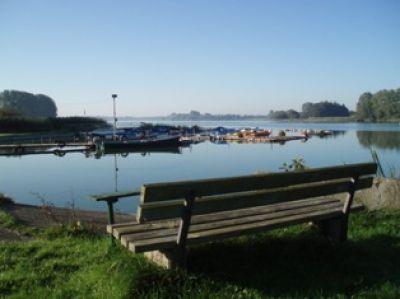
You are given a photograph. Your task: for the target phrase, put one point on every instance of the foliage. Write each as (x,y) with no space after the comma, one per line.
(383,105)
(376,159)
(393,171)
(268,265)
(324,109)
(9,222)
(27,104)
(67,124)
(6,220)
(294,165)
(281,114)
(309,110)
(6,112)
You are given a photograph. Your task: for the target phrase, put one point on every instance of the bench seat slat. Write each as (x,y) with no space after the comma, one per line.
(204,205)
(173,190)
(135,226)
(232,231)
(132,227)
(199,228)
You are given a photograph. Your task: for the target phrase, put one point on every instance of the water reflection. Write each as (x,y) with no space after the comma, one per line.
(124,153)
(332,134)
(380,140)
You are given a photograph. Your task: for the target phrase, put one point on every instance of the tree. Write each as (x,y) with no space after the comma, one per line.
(8,113)
(194,115)
(306,109)
(382,106)
(27,104)
(293,114)
(364,107)
(281,114)
(324,109)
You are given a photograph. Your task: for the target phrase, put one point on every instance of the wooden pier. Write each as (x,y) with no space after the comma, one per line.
(59,149)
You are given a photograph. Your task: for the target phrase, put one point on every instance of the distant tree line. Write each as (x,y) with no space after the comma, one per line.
(319,109)
(282,114)
(59,124)
(15,103)
(383,105)
(195,115)
(324,109)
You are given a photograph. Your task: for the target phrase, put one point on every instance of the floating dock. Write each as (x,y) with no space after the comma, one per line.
(59,149)
(269,139)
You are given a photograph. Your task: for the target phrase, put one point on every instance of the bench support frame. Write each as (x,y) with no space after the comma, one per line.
(335,229)
(176,257)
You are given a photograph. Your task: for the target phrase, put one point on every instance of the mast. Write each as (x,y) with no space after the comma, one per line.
(114,96)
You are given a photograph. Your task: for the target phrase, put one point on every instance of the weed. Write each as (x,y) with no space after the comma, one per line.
(47,207)
(294,165)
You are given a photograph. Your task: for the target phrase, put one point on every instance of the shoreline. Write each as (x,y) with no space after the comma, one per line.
(41,217)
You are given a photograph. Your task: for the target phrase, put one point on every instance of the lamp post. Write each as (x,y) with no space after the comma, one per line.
(114,96)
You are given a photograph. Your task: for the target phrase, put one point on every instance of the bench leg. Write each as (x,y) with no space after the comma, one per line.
(334,229)
(167,259)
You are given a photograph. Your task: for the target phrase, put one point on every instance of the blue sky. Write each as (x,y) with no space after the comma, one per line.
(245,57)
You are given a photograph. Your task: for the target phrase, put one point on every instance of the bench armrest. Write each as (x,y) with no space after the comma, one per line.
(114,196)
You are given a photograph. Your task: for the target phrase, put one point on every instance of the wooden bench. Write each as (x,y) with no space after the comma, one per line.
(176,214)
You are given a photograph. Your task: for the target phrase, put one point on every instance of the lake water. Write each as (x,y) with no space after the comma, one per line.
(71,179)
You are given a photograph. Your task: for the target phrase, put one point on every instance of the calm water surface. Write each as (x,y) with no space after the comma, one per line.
(71,179)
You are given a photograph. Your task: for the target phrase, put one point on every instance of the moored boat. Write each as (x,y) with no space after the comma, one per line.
(142,143)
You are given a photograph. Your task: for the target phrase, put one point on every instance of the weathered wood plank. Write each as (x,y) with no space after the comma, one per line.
(258,210)
(110,227)
(149,227)
(114,195)
(135,227)
(210,204)
(232,231)
(173,190)
(197,228)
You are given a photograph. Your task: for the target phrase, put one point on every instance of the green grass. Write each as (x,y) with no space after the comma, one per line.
(70,262)
(9,222)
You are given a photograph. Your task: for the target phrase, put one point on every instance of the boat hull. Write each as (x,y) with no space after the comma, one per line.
(141,143)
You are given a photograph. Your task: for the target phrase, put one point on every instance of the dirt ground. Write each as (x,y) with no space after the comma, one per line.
(44,216)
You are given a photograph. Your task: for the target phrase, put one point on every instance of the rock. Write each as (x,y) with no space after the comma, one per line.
(384,194)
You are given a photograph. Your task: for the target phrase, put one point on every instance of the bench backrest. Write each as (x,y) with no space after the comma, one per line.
(165,200)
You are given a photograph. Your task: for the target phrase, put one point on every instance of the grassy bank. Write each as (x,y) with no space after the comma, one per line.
(71,262)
